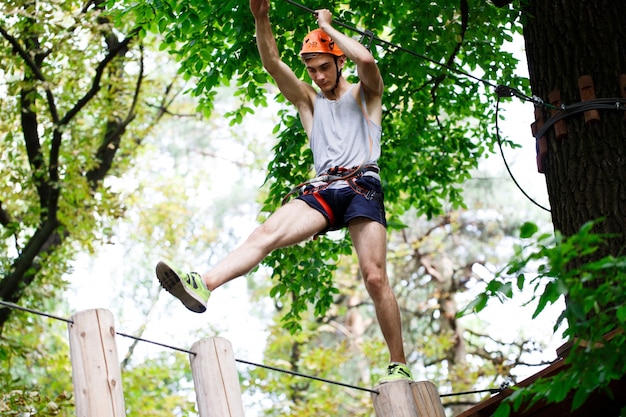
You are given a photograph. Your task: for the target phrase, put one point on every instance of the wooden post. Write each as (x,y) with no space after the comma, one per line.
(407,399)
(215,378)
(394,399)
(96,372)
(427,399)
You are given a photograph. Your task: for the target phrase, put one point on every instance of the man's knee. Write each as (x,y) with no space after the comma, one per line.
(264,237)
(376,283)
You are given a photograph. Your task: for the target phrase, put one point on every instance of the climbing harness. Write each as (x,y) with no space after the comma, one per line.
(350,175)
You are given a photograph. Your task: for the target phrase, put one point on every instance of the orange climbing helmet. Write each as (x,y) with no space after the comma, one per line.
(318,42)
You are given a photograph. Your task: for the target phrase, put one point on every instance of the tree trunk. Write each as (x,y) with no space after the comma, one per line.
(585,168)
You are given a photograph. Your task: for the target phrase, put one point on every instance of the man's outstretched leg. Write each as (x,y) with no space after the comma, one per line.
(290,224)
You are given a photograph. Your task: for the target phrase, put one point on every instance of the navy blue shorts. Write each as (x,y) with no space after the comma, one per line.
(340,205)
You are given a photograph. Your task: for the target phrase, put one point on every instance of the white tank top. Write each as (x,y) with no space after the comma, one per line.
(342,135)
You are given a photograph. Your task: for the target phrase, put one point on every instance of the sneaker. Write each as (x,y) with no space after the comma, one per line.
(397,371)
(191,290)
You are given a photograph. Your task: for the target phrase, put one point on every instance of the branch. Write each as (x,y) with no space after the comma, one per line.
(23,54)
(95,84)
(113,136)
(485,354)
(142,328)
(23,270)
(28,117)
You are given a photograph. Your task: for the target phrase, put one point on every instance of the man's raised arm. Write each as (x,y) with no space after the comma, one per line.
(368,71)
(294,90)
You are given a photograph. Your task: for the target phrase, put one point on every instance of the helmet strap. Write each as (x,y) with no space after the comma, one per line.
(338,74)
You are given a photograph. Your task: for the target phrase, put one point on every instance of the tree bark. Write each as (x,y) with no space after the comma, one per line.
(586,168)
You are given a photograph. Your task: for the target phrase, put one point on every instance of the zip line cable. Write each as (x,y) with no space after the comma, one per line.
(245,362)
(28,310)
(17,307)
(506,164)
(373,37)
(480,391)
(500,90)
(285,371)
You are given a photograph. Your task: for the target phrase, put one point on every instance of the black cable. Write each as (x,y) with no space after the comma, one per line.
(28,310)
(501,90)
(307,376)
(506,164)
(17,307)
(40,313)
(595,104)
(366,34)
(156,343)
(480,391)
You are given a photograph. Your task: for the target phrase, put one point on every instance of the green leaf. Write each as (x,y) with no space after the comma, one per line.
(580,397)
(521,279)
(528,229)
(503,410)
(478,304)
(553,291)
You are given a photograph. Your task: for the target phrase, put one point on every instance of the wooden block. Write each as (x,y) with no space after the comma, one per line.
(541,143)
(588,92)
(560,128)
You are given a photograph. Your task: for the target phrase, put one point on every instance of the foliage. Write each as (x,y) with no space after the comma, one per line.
(595,311)
(79,94)
(20,403)
(310,354)
(77,102)
(166,377)
(35,349)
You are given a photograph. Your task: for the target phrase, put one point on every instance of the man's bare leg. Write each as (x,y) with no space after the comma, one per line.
(370,241)
(292,223)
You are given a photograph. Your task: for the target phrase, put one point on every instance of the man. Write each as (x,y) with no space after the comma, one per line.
(342,122)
